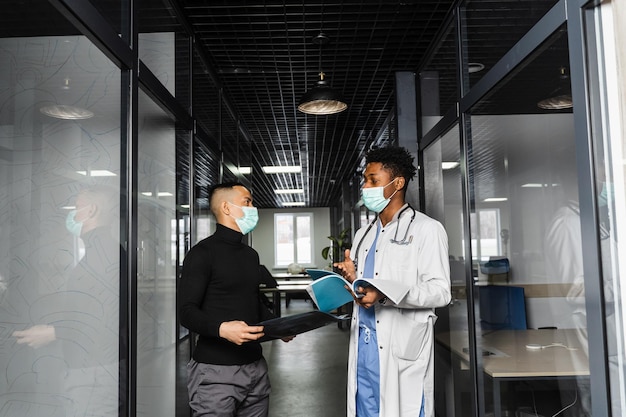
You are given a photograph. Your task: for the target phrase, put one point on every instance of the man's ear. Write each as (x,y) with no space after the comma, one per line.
(93,211)
(400,183)
(225,207)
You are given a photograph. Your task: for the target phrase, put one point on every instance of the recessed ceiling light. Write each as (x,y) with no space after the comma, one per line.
(293,203)
(245,170)
(159,194)
(495,199)
(537,185)
(62,111)
(97,173)
(473,67)
(449,165)
(285,169)
(290,191)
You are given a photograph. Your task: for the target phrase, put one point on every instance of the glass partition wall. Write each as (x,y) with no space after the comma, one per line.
(530,288)
(96,206)
(156,263)
(526,246)
(444,202)
(60,256)
(533,208)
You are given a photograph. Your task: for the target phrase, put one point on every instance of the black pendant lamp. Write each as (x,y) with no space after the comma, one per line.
(561,97)
(322,99)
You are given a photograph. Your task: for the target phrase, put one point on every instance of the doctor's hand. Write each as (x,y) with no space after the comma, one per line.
(238,332)
(370,296)
(347,267)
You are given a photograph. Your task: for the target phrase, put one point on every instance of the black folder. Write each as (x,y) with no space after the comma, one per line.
(298,323)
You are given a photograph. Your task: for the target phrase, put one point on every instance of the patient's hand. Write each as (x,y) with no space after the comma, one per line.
(36,336)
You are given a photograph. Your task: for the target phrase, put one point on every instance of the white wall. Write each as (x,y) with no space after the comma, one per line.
(263,234)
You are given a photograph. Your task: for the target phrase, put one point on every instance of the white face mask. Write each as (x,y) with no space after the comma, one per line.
(374,198)
(248,221)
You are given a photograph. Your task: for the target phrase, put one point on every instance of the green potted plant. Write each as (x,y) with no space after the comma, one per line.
(338,244)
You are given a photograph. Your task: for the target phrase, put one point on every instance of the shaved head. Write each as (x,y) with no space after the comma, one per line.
(221,195)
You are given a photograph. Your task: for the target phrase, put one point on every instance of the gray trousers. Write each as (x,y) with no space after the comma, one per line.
(228,390)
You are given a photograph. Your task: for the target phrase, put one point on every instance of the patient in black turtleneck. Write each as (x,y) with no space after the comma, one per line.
(219,299)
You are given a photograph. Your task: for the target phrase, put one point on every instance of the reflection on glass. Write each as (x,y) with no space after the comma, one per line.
(442,181)
(156,267)
(157,52)
(59,221)
(487,43)
(527,250)
(608,142)
(205,174)
(207,104)
(159,38)
(438,82)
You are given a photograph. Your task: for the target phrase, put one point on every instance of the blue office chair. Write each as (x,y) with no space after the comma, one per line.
(502,307)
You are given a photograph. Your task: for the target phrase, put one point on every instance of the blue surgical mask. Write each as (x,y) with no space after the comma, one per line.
(374,198)
(249,220)
(73,226)
(607,194)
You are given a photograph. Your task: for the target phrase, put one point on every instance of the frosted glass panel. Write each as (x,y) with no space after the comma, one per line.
(156,263)
(59,228)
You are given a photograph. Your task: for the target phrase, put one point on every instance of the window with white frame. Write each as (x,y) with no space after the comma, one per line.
(487,237)
(293,240)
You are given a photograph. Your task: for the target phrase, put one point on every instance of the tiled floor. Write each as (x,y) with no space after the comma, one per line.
(308,374)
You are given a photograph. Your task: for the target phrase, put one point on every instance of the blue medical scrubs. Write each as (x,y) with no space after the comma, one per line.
(368,364)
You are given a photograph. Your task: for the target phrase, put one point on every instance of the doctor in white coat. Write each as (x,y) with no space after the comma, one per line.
(390,365)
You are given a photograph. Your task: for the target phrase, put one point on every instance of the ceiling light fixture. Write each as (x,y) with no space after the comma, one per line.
(538,185)
(322,99)
(293,203)
(65,112)
(449,165)
(290,191)
(474,67)
(97,173)
(159,194)
(561,97)
(285,169)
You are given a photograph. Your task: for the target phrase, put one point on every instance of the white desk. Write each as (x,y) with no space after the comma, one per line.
(288,276)
(507,358)
(288,287)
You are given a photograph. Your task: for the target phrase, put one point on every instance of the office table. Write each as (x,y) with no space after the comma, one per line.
(505,355)
(285,287)
(287,276)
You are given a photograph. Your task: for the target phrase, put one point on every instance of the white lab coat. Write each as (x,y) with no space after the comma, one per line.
(415,278)
(564,261)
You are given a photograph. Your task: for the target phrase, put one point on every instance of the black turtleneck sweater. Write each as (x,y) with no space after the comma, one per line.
(220,282)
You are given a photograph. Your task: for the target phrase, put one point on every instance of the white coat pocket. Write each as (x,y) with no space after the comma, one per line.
(410,338)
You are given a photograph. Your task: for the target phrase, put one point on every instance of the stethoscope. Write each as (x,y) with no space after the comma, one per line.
(395,240)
